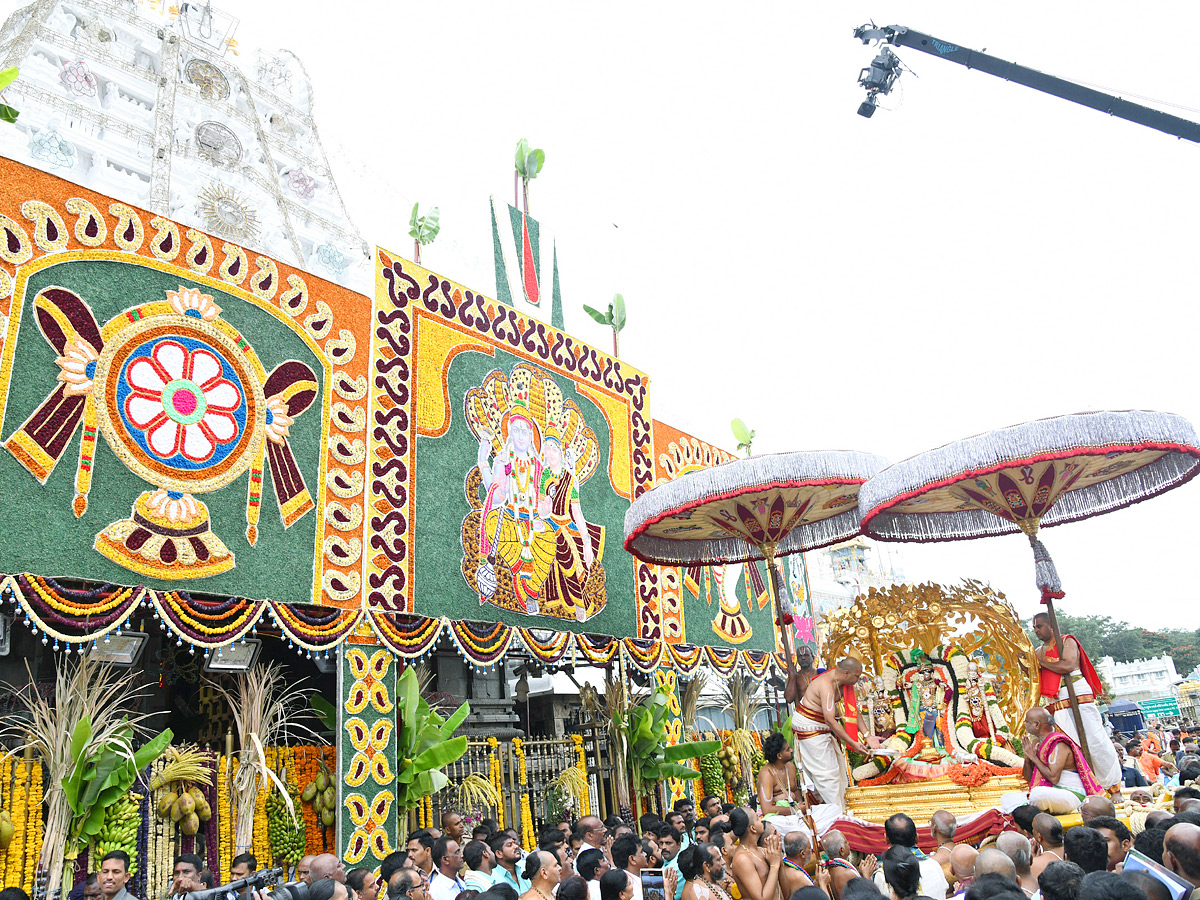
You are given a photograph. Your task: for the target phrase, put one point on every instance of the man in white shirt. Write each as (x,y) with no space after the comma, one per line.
(901,831)
(447,859)
(591,864)
(592,832)
(627,854)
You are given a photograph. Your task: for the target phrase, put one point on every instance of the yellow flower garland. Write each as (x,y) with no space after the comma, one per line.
(34,829)
(528,841)
(7,767)
(585,802)
(494,775)
(224,821)
(19,808)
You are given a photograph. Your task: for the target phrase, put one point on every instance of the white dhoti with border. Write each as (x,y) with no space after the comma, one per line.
(1105,765)
(1065,797)
(820,756)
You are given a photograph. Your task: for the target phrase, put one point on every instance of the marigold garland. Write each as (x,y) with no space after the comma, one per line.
(33,827)
(585,801)
(494,776)
(527,835)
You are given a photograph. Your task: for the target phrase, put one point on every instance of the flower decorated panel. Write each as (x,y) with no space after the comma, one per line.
(178,411)
(507,454)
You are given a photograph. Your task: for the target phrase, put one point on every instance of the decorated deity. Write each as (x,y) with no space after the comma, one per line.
(529,547)
(927,707)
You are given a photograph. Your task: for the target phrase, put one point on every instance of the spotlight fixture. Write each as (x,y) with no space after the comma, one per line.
(239,656)
(120,650)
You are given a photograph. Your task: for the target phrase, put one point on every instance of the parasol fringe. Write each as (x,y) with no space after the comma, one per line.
(1059,438)
(1045,574)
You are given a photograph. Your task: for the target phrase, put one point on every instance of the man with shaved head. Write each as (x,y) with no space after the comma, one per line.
(817,731)
(1058,774)
(1017,848)
(1181,854)
(962,866)
(942,826)
(993,860)
(1094,806)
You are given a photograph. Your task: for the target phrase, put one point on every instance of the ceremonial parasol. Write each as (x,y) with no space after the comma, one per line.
(1037,474)
(762,507)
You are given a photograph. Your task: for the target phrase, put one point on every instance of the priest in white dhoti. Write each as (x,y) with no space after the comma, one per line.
(1076,666)
(819,735)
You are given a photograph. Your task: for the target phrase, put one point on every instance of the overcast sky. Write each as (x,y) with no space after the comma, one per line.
(976,255)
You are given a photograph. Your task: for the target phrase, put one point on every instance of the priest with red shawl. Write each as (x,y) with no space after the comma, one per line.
(1076,665)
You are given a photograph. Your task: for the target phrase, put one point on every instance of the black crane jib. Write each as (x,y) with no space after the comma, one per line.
(900,36)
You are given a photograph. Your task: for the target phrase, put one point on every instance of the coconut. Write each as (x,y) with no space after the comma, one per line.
(309,792)
(327,817)
(6,833)
(165,802)
(187,805)
(322,781)
(329,798)
(190,824)
(176,812)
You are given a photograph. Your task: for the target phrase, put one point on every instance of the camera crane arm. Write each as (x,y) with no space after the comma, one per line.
(879,79)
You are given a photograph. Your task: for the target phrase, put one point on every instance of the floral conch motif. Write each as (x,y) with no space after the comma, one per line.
(77,367)
(279,423)
(173,506)
(190,302)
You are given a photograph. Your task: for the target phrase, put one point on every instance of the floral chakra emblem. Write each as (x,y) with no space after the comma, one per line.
(183,400)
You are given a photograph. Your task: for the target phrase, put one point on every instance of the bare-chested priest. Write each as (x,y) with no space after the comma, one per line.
(817,730)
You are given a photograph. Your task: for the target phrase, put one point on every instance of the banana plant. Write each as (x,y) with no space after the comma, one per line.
(425,746)
(423,229)
(104,767)
(613,317)
(743,434)
(651,759)
(528,163)
(7,77)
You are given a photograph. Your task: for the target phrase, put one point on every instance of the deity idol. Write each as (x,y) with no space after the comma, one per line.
(512,528)
(927,709)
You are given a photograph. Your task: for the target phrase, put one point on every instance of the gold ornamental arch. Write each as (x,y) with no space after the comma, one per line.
(970,616)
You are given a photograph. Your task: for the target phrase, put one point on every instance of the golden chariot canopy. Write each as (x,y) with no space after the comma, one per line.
(970,617)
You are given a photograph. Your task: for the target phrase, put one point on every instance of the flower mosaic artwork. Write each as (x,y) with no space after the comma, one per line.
(529,546)
(184,402)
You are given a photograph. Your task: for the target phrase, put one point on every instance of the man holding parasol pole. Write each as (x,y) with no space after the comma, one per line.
(1072,700)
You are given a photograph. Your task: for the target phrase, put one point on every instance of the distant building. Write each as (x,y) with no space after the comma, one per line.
(1189,699)
(1141,679)
(839,574)
(148,105)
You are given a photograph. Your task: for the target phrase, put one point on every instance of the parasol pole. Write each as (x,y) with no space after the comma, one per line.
(785,625)
(1051,587)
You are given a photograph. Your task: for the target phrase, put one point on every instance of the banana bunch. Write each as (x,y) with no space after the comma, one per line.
(731,764)
(285,834)
(119,829)
(322,794)
(757,761)
(188,809)
(712,774)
